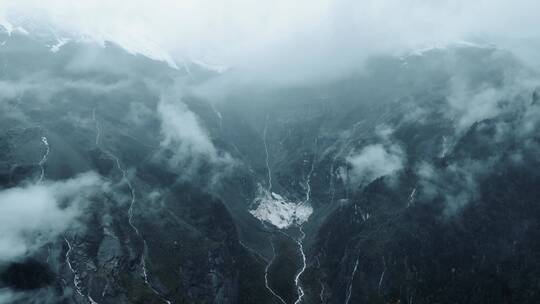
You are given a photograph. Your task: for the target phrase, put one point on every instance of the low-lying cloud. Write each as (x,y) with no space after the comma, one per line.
(183,133)
(374,161)
(282,41)
(34,214)
(457,184)
(471,102)
(186,145)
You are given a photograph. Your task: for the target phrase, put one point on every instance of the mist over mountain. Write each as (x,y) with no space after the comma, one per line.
(306,152)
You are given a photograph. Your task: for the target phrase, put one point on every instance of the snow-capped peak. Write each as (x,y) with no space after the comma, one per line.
(9,28)
(61,42)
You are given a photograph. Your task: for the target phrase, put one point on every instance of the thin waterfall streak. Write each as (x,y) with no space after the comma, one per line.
(380,281)
(303,268)
(44,158)
(412,197)
(349,289)
(266,274)
(321,295)
(130,209)
(98,129)
(267,156)
(76,279)
(308,181)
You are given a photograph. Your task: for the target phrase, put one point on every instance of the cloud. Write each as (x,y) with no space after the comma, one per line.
(34,214)
(7,296)
(457,184)
(41,296)
(471,107)
(182,131)
(374,161)
(186,144)
(282,42)
(507,118)
(508,88)
(42,86)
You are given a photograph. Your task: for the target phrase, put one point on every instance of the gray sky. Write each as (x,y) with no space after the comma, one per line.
(283,40)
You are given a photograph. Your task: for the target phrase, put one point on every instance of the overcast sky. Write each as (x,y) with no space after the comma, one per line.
(304,38)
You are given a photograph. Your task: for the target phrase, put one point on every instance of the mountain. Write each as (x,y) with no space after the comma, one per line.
(412,181)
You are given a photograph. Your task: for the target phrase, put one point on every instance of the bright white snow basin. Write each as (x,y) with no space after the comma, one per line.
(274,209)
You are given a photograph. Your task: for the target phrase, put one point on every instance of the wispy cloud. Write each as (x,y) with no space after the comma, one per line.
(186,145)
(456,184)
(376,160)
(32,215)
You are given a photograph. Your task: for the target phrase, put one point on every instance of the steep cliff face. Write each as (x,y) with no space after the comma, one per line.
(390,186)
(411,249)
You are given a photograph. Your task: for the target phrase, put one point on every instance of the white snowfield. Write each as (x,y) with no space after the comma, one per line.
(276,210)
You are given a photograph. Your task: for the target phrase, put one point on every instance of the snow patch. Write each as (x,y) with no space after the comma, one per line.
(61,42)
(420,51)
(132,43)
(220,69)
(132,40)
(9,28)
(276,210)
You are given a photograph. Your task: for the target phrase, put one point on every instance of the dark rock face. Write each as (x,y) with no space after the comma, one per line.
(457,222)
(27,275)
